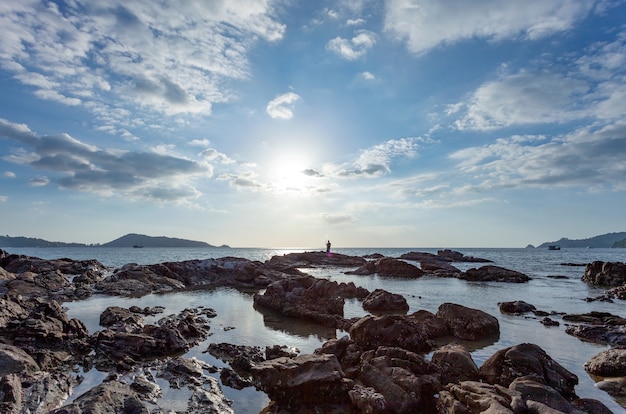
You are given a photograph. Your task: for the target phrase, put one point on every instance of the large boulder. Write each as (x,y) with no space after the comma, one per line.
(608,363)
(289,263)
(401,331)
(526,359)
(605,273)
(467,323)
(14,360)
(598,327)
(303,380)
(494,274)
(389,267)
(455,363)
(517,307)
(382,301)
(405,380)
(307,297)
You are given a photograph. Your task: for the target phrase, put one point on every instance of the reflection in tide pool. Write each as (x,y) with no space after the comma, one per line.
(565,293)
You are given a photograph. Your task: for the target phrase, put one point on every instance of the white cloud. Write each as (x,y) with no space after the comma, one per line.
(282,106)
(166,58)
(212,154)
(3,199)
(368,76)
(75,165)
(591,158)
(39,181)
(426,24)
(8,174)
(376,160)
(352,49)
(523,98)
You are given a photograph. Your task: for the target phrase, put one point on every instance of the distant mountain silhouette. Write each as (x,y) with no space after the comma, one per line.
(601,241)
(140,240)
(8,241)
(129,240)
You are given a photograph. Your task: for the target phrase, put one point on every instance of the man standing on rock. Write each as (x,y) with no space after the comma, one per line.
(328,246)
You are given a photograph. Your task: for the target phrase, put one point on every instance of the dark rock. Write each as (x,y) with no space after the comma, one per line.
(468,323)
(455,364)
(229,352)
(307,297)
(538,395)
(590,406)
(453,256)
(278,351)
(405,379)
(549,322)
(609,363)
(406,332)
(289,263)
(382,301)
(231,379)
(522,360)
(617,292)
(493,274)
(615,387)
(596,318)
(14,360)
(605,273)
(303,380)
(368,400)
(108,397)
(388,267)
(517,307)
(121,316)
(474,397)
(600,334)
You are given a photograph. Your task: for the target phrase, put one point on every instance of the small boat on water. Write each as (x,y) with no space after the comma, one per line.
(554,247)
(137,246)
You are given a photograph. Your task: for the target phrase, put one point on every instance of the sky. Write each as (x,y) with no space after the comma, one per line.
(286,123)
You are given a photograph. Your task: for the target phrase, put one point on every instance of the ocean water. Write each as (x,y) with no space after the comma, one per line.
(251,327)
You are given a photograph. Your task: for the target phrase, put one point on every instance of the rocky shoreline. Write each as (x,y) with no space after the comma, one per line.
(380,367)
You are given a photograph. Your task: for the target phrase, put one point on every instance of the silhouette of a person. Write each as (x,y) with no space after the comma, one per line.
(328,246)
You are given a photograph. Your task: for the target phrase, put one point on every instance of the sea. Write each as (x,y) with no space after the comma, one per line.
(237,321)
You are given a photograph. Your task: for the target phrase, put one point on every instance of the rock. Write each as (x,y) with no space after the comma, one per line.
(455,364)
(278,351)
(180,372)
(609,363)
(289,263)
(108,397)
(116,315)
(600,334)
(229,352)
(467,323)
(473,397)
(388,267)
(453,256)
(406,332)
(14,360)
(535,393)
(493,274)
(522,360)
(517,307)
(368,400)
(405,379)
(307,297)
(382,301)
(617,292)
(596,318)
(615,387)
(549,322)
(303,380)
(605,273)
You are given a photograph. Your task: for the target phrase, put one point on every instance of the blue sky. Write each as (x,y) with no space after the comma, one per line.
(260,123)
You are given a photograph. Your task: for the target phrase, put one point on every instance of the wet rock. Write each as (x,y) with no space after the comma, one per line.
(549,322)
(108,397)
(232,379)
(382,301)
(596,318)
(538,395)
(473,397)
(277,351)
(454,256)
(289,263)
(615,387)
(229,352)
(605,273)
(522,360)
(388,267)
(180,372)
(14,360)
(617,292)
(468,323)
(307,297)
(517,307)
(368,400)
(494,274)
(455,364)
(47,392)
(609,363)
(600,334)
(20,263)
(138,280)
(371,332)
(303,380)
(116,315)
(405,379)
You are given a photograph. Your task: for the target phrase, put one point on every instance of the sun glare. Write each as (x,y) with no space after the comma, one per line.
(287,174)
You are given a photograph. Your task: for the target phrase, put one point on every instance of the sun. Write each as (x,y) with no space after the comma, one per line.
(289,173)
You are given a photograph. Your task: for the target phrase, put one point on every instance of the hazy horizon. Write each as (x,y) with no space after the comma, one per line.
(282,123)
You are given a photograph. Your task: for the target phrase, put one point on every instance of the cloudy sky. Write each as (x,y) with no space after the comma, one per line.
(284,123)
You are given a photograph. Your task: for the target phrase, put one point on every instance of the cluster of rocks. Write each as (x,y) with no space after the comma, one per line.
(380,367)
